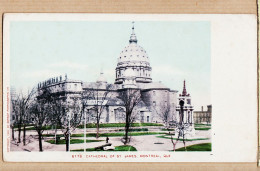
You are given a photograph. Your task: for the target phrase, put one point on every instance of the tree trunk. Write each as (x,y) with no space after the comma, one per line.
(24,135)
(126,134)
(183,140)
(12,132)
(40,141)
(19,134)
(97,136)
(127,124)
(175,143)
(55,134)
(67,142)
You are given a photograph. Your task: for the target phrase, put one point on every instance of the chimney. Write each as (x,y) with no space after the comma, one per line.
(202,108)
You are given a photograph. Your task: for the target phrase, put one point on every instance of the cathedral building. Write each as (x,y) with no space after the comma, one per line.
(133,71)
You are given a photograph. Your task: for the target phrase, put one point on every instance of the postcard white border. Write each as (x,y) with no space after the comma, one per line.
(233,91)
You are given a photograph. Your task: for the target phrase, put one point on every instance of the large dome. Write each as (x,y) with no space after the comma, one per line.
(135,57)
(133,52)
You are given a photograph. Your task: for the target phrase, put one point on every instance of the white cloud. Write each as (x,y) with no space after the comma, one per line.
(70,65)
(42,74)
(166,70)
(110,75)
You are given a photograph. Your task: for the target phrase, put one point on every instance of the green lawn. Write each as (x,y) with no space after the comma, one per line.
(44,128)
(135,129)
(125,148)
(16,126)
(102,125)
(203,129)
(117,148)
(52,135)
(116,134)
(170,129)
(197,147)
(196,139)
(107,125)
(202,125)
(72,141)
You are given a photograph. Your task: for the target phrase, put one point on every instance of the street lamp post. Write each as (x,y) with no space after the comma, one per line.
(85,141)
(69,131)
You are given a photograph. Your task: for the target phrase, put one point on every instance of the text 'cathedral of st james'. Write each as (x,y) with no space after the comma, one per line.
(133,71)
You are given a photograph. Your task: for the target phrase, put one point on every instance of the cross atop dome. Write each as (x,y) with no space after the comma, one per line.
(133,38)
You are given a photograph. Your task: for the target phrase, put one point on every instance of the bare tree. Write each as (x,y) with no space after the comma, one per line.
(59,110)
(131,98)
(65,111)
(70,117)
(164,113)
(14,114)
(21,109)
(100,95)
(40,112)
(181,128)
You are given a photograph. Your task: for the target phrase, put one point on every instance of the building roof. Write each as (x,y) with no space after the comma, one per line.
(153,85)
(100,85)
(118,102)
(114,102)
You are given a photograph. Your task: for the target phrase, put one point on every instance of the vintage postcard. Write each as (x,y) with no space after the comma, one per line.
(129,88)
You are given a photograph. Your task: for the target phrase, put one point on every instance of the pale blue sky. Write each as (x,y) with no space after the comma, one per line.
(177,51)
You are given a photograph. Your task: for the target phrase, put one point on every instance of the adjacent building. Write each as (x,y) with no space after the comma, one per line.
(203,116)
